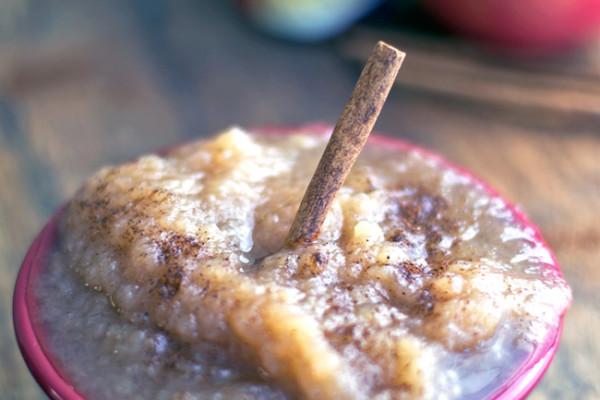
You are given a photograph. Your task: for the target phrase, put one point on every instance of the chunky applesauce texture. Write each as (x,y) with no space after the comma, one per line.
(171,281)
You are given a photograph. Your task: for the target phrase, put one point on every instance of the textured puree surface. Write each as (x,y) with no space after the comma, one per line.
(421,282)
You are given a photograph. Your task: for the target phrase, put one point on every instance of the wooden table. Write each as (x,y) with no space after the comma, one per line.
(90,83)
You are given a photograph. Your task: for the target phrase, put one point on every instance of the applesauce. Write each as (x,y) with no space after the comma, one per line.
(169,280)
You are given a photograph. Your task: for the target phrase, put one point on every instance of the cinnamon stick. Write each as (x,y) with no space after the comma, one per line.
(347,140)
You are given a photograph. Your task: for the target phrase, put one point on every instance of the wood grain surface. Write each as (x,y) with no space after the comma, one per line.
(83,84)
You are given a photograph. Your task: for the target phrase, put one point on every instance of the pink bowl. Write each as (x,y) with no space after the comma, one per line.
(56,384)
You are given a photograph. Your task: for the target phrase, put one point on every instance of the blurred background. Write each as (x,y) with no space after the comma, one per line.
(509,89)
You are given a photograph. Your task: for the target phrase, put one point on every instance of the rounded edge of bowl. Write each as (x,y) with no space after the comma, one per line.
(40,364)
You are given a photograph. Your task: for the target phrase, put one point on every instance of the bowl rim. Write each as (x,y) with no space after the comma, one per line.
(47,374)
(56,384)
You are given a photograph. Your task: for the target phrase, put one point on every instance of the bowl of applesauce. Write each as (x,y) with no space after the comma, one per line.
(166,278)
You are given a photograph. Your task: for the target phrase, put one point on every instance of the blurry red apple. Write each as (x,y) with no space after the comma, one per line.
(537,26)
